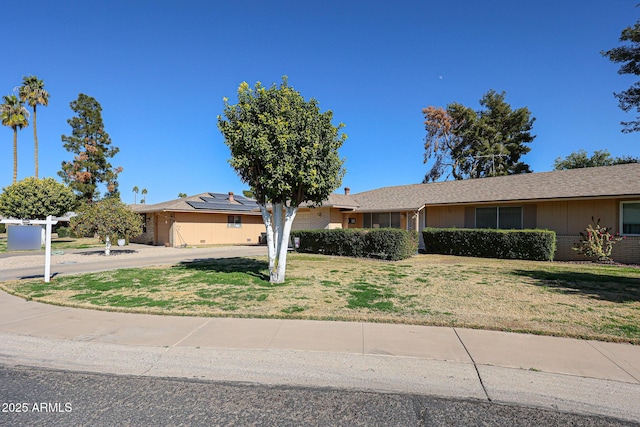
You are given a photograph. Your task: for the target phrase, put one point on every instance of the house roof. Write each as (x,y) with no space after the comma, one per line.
(606,181)
(598,182)
(338,201)
(204,202)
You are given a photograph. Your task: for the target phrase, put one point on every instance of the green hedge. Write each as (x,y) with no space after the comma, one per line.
(539,245)
(384,243)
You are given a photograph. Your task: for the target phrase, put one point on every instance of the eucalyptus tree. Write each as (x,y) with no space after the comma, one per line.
(286,150)
(33,93)
(16,116)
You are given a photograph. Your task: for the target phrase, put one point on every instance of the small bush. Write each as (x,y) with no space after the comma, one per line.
(385,243)
(63,231)
(538,245)
(3,228)
(597,242)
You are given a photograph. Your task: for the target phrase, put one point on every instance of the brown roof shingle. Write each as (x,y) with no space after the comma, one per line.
(607,181)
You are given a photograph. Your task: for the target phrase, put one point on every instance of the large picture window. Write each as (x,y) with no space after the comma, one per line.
(381,220)
(504,218)
(630,218)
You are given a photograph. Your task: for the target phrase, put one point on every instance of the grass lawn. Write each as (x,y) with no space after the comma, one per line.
(575,300)
(60,243)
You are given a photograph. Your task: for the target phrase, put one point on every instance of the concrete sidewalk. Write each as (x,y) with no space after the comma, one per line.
(557,373)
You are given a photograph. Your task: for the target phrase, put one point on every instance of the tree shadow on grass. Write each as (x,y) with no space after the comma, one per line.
(601,286)
(248,266)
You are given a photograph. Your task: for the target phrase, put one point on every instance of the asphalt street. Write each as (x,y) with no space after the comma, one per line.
(33,397)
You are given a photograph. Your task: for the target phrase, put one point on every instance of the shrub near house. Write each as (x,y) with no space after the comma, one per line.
(537,245)
(384,243)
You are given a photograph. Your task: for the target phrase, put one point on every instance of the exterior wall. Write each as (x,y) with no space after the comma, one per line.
(147,236)
(571,217)
(357,216)
(566,218)
(163,229)
(212,229)
(445,216)
(625,251)
(317,219)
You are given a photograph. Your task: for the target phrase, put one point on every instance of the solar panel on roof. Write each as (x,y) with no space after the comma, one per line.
(221,206)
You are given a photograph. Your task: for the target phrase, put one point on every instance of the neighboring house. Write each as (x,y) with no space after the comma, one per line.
(204,219)
(562,201)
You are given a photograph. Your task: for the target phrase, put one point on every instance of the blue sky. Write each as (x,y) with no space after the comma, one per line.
(161,68)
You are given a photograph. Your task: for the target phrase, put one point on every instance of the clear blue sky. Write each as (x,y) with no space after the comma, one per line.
(160,69)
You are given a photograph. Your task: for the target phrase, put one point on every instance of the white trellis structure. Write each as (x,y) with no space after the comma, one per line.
(49,222)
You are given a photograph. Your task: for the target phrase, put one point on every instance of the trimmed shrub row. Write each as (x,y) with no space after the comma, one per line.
(384,243)
(538,245)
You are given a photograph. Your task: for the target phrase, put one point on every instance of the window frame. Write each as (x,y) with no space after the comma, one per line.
(497,208)
(622,233)
(367,219)
(234,221)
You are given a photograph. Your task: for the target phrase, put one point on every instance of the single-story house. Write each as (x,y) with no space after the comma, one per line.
(562,201)
(204,219)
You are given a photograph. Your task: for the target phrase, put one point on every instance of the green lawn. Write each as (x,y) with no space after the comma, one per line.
(576,300)
(60,243)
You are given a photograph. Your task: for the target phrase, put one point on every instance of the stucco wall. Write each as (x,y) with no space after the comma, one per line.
(213,229)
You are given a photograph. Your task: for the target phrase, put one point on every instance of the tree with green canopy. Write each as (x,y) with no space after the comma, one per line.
(286,150)
(34,198)
(629,56)
(109,218)
(580,159)
(33,93)
(16,116)
(477,144)
(92,148)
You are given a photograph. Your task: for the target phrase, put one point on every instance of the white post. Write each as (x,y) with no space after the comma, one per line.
(47,249)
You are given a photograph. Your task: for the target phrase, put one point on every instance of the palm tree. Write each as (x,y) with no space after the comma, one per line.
(135,193)
(33,93)
(14,115)
(144,196)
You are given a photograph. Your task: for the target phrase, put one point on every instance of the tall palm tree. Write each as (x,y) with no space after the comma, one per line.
(135,194)
(33,93)
(144,196)
(16,116)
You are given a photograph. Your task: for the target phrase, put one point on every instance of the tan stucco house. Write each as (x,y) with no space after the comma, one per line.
(562,201)
(204,219)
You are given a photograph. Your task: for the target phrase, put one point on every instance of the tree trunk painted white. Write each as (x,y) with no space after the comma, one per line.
(271,248)
(290,214)
(278,224)
(107,246)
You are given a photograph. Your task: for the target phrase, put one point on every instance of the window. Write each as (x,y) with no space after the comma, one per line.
(630,218)
(234,221)
(352,220)
(504,218)
(381,220)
